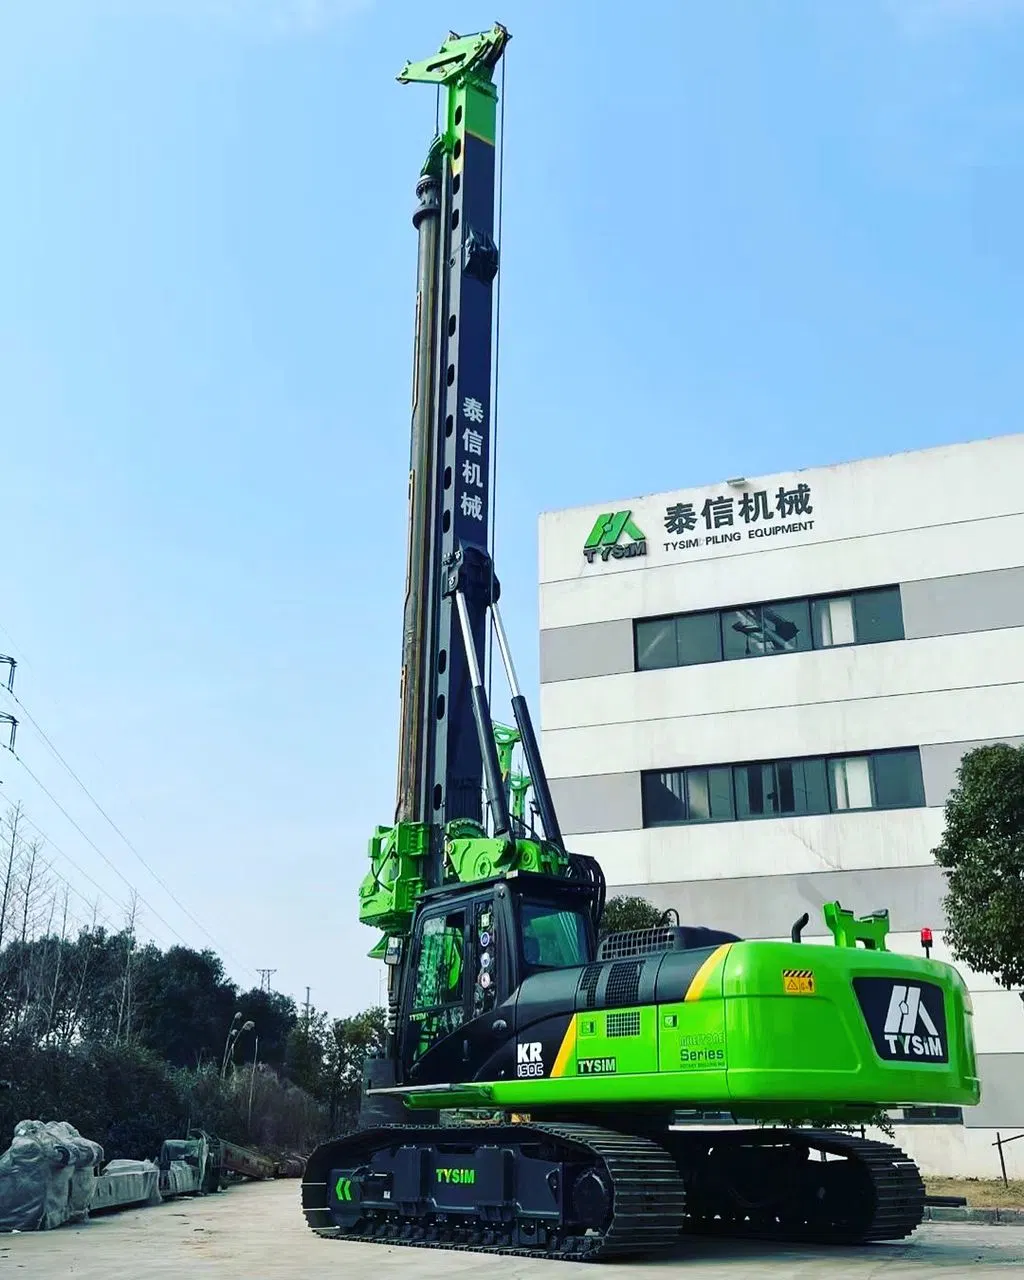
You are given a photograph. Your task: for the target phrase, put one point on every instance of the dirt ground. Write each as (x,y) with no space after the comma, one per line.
(981,1193)
(257,1232)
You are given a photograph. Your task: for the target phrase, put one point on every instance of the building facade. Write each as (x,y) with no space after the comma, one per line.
(755,696)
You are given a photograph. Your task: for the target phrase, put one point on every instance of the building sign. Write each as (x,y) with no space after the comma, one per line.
(728,519)
(752,519)
(614,536)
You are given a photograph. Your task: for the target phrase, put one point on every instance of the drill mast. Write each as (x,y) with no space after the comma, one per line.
(441,760)
(452,759)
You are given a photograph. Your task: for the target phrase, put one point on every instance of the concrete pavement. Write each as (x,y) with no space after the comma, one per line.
(257,1232)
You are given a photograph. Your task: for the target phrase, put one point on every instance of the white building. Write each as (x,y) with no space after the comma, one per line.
(755,695)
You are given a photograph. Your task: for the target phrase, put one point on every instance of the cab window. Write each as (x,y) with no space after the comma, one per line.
(553,938)
(438,1000)
(439,972)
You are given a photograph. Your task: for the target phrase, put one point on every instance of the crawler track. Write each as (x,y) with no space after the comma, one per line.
(646,1202)
(614,1194)
(771,1184)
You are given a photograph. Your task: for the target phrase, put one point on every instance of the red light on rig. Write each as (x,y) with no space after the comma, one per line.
(926,941)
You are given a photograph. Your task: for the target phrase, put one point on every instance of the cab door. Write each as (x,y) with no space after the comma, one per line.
(456,983)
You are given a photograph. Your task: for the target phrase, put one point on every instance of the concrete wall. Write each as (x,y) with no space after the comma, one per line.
(944,1150)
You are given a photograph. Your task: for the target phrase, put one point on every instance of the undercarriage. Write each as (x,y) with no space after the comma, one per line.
(582,1193)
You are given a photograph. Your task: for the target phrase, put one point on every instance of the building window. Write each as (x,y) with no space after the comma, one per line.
(850,780)
(760,630)
(780,788)
(884,780)
(678,642)
(833,622)
(783,788)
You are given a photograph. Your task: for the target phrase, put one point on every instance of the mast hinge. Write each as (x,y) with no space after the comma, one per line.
(471,571)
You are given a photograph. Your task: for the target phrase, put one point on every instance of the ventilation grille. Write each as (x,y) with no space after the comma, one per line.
(588,984)
(622,1024)
(637,942)
(624,982)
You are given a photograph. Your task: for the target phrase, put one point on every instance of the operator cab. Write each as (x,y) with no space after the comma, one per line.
(472,947)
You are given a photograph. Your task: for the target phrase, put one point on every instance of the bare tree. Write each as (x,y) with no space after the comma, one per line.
(11,848)
(31,857)
(124,1012)
(55,985)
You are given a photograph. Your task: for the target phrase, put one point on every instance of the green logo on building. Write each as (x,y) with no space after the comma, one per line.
(606,538)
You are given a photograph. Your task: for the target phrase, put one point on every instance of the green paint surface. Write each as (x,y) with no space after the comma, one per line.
(464,66)
(479,110)
(777,1051)
(632,1042)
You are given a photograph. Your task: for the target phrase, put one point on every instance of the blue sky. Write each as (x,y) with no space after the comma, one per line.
(738,238)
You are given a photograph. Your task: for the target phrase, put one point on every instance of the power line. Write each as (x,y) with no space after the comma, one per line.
(10,682)
(81,870)
(49,866)
(93,845)
(166,888)
(57,849)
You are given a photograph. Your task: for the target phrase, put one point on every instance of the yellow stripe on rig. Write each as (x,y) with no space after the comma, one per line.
(565,1049)
(703,974)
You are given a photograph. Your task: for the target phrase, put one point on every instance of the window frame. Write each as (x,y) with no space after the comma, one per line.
(824,761)
(807,601)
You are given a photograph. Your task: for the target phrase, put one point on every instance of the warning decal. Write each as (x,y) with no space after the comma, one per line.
(798,982)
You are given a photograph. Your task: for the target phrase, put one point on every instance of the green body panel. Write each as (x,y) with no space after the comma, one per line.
(394,884)
(632,1053)
(817,1046)
(473,108)
(740,1042)
(691,1038)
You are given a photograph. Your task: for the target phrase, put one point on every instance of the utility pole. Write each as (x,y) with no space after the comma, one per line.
(265,976)
(6,718)
(307,1028)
